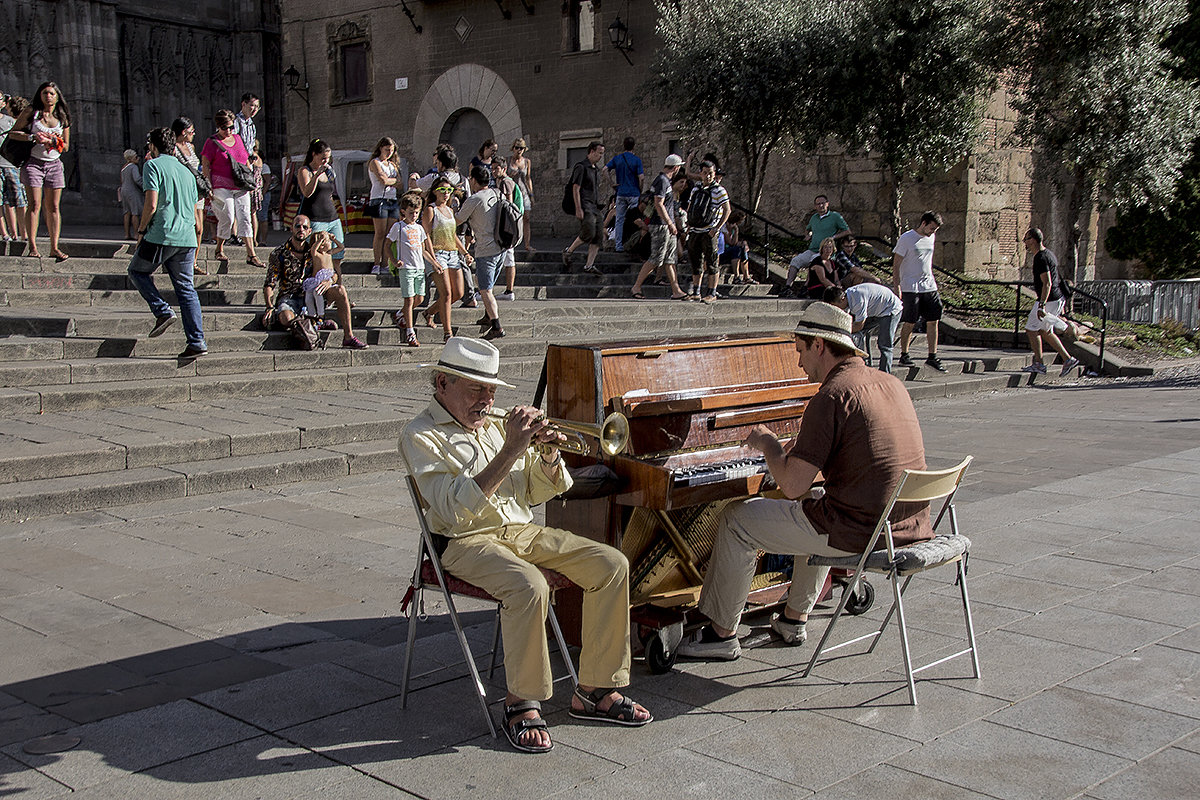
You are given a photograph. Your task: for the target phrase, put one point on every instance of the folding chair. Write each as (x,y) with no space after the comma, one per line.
(896,562)
(429,573)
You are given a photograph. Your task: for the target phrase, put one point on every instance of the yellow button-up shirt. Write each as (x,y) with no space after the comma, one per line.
(444,457)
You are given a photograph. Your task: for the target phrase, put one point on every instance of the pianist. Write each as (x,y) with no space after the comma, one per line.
(860,430)
(480,474)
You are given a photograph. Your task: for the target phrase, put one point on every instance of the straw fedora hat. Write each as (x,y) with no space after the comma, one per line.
(827,322)
(473,359)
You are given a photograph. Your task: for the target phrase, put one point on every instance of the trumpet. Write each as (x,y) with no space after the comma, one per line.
(610,437)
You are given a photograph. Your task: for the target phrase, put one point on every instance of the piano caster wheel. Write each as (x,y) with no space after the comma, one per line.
(657,657)
(862,600)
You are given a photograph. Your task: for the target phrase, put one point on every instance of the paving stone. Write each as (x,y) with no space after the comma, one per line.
(20,721)
(1165,775)
(135,742)
(1082,718)
(886,780)
(28,784)
(1018,764)
(1077,572)
(57,611)
(1185,640)
(1096,629)
(1011,591)
(1141,601)
(1157,677)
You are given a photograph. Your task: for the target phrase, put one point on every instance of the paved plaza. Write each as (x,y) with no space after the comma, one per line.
(249,644)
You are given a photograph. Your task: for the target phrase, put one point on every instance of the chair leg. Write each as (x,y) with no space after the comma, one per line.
(495,643)
(888,617)
(962,585)
(562,646)
(408,651)
(480,691)
(828,631)
(908,670)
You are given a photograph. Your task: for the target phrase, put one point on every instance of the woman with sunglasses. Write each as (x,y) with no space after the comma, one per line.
(521,171)
(47,124)
(438,219)
(231,204)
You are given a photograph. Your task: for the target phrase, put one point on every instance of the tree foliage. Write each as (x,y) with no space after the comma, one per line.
(1102,101)
(914,80)
(751,74)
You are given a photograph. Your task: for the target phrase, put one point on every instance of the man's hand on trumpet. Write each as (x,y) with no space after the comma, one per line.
(528,426)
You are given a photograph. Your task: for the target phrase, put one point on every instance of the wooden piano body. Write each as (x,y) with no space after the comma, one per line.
(690,404)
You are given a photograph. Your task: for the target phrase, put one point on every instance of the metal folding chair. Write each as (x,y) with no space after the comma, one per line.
(429,573)
(896,562)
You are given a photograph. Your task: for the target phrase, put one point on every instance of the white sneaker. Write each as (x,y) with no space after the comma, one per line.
(794,633)
(1068,365)
(703,644)
(376,269)
(506,296)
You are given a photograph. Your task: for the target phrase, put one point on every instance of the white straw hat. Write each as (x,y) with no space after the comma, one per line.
(473,359)
(827,322)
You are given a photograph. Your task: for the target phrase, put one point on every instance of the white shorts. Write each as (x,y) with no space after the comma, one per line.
(1051,321)
(510,258)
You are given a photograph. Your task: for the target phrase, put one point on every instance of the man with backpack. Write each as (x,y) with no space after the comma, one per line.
(508,223)
(707,210)
(583,200)
(481,210)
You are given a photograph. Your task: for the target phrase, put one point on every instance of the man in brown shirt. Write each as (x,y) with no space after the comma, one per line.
(861,432)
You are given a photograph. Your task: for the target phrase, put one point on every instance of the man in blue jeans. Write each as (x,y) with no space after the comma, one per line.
(626,171)
(167,237)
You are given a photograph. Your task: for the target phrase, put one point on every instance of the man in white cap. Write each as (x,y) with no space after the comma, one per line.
(661,223)
(861,432)
(481,474)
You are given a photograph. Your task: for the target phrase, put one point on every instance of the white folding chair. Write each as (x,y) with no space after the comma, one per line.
(895,562)
(429,573)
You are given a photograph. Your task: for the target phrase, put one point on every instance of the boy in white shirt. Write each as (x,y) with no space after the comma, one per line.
(405,261)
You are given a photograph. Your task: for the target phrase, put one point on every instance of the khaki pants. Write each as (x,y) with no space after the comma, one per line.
(503,564)
(777,526)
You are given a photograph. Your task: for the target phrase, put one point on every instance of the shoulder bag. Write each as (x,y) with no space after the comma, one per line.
(203,184)
(17,153)
(243,174)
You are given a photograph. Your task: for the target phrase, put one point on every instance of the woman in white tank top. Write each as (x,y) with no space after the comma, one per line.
(49,125)
(384,206)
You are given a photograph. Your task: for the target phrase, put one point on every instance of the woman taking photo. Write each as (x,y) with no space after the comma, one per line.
(383,207)
(316,180)
(438,220)
(47,124)
(521,171)
(231,202)
(822,272)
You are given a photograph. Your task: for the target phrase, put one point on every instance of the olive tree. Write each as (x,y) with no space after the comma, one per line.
(751,74)
(1101,100)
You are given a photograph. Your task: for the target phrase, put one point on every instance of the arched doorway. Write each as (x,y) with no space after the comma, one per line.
(466,129)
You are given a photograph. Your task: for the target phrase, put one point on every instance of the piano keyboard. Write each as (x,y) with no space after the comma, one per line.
(716,473)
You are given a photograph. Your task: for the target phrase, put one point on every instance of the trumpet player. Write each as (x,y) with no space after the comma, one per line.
(481,473)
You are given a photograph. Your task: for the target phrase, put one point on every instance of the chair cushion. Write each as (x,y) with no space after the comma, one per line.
(911,558)
(556,581)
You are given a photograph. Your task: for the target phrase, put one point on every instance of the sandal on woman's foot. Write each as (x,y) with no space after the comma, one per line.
(515,726)
(254,262)
(59,255)
(621,712)
(429,315)
(637,295)
(224,259)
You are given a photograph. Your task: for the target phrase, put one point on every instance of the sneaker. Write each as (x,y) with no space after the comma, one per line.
(484,322)
(786,293)
(161,324)
(1068,365)
(794,633)
(354,343)
(1036,368)
(905,360)
(376,269)
(191,351)
(398,319)
(936,363)
(412,340)
(327,325)
(592,269)
(506,296)
(705,645)
(494,332)
(566,258)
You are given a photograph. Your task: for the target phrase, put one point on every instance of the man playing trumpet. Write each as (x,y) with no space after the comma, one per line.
(481,473)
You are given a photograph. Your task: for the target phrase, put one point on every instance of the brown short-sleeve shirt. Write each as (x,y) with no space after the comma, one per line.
(861,430)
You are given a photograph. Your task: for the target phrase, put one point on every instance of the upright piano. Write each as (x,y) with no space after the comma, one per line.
(690,403)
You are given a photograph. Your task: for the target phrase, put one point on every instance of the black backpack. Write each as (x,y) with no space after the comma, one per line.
(699,207)
(568,203)
(508,222)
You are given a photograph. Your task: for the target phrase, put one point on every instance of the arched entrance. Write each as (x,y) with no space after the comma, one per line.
(465,105)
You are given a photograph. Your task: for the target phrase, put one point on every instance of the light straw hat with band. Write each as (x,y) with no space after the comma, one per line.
(827,322)
(473,359)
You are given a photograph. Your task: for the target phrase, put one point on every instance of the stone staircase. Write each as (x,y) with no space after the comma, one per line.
(93,414)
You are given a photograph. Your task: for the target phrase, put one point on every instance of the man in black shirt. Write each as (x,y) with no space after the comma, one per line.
(1046,316)
(585,187)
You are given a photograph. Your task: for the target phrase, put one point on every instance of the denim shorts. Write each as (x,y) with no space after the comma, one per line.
(334,229)
(487,269)
(381,208)
(292,302)
(448,259)
(12,193)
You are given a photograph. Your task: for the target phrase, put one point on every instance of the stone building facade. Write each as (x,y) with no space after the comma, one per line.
(126,66)
(425,71)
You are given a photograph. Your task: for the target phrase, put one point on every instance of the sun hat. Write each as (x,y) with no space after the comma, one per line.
(473,359)
(674,160)
(827,322)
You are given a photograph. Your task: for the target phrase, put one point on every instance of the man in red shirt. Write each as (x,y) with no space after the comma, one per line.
(860,431)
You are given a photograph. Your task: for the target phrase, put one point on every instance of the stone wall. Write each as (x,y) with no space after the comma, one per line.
(125,66)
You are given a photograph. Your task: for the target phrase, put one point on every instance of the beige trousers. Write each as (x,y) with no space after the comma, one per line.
(777,526)
(503,564)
